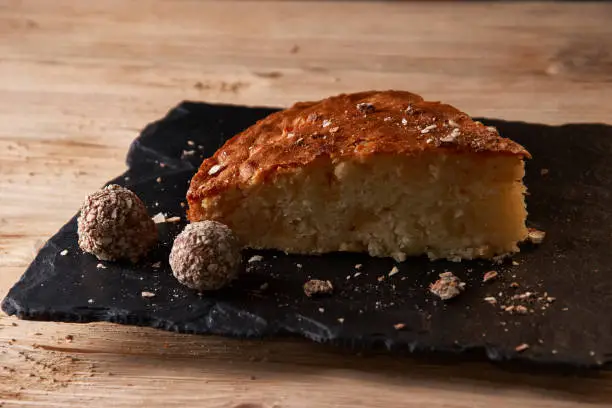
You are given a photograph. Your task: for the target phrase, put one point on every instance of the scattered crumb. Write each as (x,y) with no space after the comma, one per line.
(399,326)
(340,320)
(146,294)
(554,351)
(381,278)
(101,266)
(298,265)
(514,285)
(191,143)
(264,286)
(295,49)
(159,218)
(90,301)
(321,310)
(491,300)
(315,287)
(173,219)
(514,263)
(255,258)
(156,265)
(69,338)
(544,172)
(393,271)
(182,204)
(535,236)
(326,123)
(489,276)
(335,129)
(159,179)
(520,309)
(521,347)
(356,274)
(358,266)
(591,353)
(404,121)
(447,287)
(64,252)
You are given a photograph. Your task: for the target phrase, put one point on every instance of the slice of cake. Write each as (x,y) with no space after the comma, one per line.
(380,172)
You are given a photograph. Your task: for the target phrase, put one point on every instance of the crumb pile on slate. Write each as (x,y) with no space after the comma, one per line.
(114,224)
(317,287)
(205,256)
(447,287)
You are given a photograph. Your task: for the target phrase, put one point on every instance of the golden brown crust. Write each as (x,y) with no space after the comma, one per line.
(341,127)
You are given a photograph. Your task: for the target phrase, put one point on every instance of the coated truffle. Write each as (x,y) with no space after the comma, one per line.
(205,256)
(114,224)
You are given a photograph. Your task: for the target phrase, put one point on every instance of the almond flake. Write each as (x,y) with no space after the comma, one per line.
(146,294)
(428,128)
(491,300)
(453,123)
(326,123)
(489,275)
(214,169)
(64,252)
(255,258)
(399,326)
(521,347)
(394,270)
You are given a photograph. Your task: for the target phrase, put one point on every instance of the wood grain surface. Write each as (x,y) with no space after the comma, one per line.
(78,79)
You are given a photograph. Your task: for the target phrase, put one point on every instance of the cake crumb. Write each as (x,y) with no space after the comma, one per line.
(491,300)
(514,263)
(535,236)
(447,287)
(489,276)
(520,309)
(255,258)
(159,179)
(156,265)
(90,301)
(101,266)
(356,274)
(358,266)
(146,294)
(514,285)
(321,310)
(521,347)
(316,287)
(159,218)
(399,326)
(340,320)
(64,252)
(393,271)
(543,172)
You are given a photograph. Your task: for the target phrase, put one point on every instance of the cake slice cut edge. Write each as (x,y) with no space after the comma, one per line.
(382,180)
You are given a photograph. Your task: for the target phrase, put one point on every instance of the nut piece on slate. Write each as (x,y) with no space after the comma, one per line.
(447,287)
(114,224)
(205,256)
(316,287)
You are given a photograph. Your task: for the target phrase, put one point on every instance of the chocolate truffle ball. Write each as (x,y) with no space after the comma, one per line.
(114,224)
(205,256)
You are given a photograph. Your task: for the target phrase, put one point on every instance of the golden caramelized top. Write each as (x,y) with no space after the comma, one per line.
(345,127)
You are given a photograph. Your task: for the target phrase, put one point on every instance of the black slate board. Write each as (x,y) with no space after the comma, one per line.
(572,203)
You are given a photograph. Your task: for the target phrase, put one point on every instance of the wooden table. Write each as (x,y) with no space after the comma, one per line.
(78,79)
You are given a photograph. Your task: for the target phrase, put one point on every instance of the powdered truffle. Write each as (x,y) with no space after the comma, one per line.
(114,224)
(205,256)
